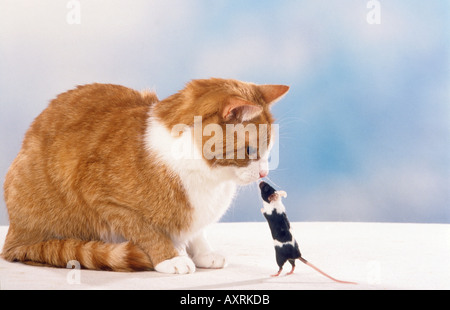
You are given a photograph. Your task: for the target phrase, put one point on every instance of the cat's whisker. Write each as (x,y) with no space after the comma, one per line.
(271,181)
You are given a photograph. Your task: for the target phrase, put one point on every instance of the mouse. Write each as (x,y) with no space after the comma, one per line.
(286,246)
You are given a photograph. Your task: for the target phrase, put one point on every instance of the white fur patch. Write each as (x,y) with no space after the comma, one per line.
(281,244)
(178,265)
(209,190)
(275,205)
(209,260)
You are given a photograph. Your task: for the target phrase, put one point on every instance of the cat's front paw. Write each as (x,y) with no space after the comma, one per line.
(209,260)
(176,265)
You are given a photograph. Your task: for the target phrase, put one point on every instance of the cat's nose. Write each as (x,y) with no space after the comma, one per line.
(263,173)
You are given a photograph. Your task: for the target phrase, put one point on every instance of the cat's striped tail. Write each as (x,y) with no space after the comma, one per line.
(90,254)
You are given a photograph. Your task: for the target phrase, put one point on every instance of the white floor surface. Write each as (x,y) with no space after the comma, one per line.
(376,255)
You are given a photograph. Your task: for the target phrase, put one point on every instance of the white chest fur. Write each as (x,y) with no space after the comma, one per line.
(209,191)
(276,206)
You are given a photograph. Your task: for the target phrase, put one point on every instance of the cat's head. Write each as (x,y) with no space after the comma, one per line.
(230,122)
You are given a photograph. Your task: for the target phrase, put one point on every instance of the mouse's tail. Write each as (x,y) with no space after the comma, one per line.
(323,273)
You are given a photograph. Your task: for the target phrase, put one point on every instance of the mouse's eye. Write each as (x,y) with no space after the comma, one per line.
(252,152)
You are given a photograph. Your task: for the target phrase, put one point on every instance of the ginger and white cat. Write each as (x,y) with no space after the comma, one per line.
(99,179)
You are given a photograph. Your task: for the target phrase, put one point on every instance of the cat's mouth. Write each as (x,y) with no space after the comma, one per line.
(245,182)
(248,178)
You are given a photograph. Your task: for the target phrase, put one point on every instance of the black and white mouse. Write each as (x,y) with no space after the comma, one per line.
(286,247)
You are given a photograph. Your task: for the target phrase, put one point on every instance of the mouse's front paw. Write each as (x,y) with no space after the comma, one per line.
(177,264)
(209,260)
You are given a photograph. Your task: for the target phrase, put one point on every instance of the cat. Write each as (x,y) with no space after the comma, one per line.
(99,180)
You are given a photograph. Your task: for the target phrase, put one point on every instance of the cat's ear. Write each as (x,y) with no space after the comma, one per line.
(240,109)
(273,93)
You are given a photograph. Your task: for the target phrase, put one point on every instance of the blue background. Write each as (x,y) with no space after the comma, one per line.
(364,130)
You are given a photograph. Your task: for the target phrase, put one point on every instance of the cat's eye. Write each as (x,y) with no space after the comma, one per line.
(252,152)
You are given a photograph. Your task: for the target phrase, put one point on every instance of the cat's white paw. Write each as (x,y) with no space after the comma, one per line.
(210,260)
(179,265)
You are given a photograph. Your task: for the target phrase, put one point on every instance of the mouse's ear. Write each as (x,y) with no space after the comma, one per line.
(282,193)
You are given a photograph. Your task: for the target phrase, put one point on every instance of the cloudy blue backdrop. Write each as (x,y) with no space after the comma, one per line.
(364,131)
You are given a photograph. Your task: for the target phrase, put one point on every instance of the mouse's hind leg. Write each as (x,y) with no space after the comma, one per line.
(292,262)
